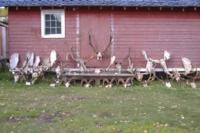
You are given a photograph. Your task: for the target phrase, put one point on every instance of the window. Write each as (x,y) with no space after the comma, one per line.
(53,24)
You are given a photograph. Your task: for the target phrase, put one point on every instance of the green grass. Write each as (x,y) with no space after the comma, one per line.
(42,109)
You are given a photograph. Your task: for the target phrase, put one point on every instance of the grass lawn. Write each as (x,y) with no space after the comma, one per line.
(42,109)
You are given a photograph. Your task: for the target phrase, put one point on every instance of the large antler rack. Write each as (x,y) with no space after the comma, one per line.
(97,53)
(151,64)
(31,69)
(109,44)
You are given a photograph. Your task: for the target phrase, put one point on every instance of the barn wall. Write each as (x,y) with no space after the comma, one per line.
(153,31)
(98,25)
(177,32)
(25,34)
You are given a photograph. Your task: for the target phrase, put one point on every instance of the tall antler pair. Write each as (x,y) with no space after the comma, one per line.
(97,53)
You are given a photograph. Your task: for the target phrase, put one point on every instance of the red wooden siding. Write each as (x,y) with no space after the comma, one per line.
(98,24)
(25,34)
(177,32)
(153,31)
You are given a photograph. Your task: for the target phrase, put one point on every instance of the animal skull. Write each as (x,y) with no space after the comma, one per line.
(99,56)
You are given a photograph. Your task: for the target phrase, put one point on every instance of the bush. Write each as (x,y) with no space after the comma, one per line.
(4,65)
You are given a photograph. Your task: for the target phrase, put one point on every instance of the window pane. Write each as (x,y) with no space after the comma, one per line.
(58,17)
(53,23)
(53,17)
(47,31)
(47,24)
(53,30)
(58,30)
(47,17)
(59,24)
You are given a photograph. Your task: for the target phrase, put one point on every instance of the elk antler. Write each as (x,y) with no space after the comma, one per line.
(110,42)
(90,43)
(93,48)
(145,55)
(130,63)
(72,54)
(112,61)
(98,54)
(129,53)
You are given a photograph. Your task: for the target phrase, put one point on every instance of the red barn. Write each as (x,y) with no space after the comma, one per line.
(152,25)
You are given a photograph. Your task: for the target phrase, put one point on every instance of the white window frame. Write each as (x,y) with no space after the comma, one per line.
(62,13)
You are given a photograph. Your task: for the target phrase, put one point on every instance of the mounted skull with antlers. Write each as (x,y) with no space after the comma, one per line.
(97,53)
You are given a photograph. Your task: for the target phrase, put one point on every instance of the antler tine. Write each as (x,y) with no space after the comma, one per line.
(110,42)
(72,57)
(90,58)
(72,54)
(129,54)
(130,63)
(110,38)
(90,43)
(145,55)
